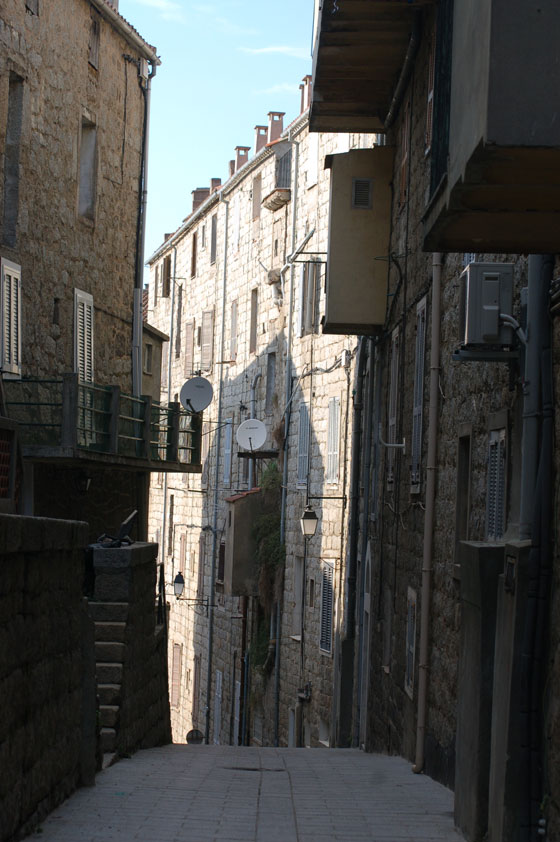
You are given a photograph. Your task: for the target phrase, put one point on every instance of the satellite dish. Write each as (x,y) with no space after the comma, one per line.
(251,434)
(196,394)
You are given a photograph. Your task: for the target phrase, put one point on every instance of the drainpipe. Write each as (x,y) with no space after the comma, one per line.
(169,362)
(137,318)
(406,71)
(216,486)
(429,518)
(256,379)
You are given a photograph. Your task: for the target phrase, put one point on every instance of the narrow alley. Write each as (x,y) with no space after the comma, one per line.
(218,793)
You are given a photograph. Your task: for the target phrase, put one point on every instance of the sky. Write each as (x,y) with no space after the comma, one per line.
(225,65)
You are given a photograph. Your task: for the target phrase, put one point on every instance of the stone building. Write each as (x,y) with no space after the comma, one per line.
(239,289)
(451,656)
(75,85)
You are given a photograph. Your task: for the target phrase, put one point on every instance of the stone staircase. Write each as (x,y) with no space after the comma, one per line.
(110,648)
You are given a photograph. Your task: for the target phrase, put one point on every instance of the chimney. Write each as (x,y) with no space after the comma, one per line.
(261,136)
(199,196)
(231,168)
(241,156)
(215,184)
(306,88)
(275,125)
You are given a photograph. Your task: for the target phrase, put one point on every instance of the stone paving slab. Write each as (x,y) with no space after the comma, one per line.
(223,794)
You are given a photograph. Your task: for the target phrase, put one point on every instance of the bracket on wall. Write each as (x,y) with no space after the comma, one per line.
(398,445)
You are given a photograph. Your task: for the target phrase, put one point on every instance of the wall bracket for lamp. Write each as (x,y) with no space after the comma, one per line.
(399,446)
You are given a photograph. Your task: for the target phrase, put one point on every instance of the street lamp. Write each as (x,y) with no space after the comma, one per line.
(309,521)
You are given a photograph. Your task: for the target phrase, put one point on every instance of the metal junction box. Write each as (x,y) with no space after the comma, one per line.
(486,292)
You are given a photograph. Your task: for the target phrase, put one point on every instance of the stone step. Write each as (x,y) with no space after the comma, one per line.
(109,715)
(110,652)
(113,632)
(109,694)
(108,673)
(108,740)
(108,612)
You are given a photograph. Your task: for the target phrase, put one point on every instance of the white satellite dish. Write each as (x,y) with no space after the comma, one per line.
(251,434)
(196,394)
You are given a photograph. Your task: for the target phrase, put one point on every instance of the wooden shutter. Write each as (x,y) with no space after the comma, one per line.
(207,340)
(228,441)
(193,255)
(333,438)
(179,324)
(11,318)
(189,347)
(254,322)
(213,238)
(418,399)
(303,445)
(83,336)
(176,675)
(302,299)
(170,524)
(327,607)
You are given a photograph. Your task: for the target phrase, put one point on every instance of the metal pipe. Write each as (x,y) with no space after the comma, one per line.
(412,49)
(429,517)
(216,487)
(169,359)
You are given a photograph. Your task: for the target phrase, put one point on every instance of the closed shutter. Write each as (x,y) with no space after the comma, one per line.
(393,404)
(207,340)
(415,473)
(201,563)
(302,299)
(233,332)
(254,321)
(189,348)
(11,318)
(303,445)
(333,436)
(83,336)
(496,490)
(176,675)
(327,607)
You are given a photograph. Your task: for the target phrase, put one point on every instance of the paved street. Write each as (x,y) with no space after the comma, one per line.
(223,794)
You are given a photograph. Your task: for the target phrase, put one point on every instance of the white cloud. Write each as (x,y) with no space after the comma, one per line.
(292,52)
(168,9)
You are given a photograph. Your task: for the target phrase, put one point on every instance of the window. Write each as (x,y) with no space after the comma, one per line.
(410,642)
(309,290)
(10,352)
(94,35)
(201,564)
(87,169)
(303,445)
(11,159)
(221,563)
(233,331)
(270,399)
(228,441)
(170,524)
(189,347)
(404,142)
(284,170)
(393,404)
(311,599)
(175,693)
(183,553)
(496,485)
(430,96)
(257,196)
(166,277)
(418,399)
(297,617)
(213,238)
(156,283)
(193,255)
(83,336)
(253,325)
(207,340)
(148,358)
(326,626)
(203,237)
(179,323)
(333,437)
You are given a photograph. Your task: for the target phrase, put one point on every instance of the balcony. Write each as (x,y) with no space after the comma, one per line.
(63,419)
(359,51)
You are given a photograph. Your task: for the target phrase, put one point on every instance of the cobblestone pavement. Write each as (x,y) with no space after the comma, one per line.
(223,794)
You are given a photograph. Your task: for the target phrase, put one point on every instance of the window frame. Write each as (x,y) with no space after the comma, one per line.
(10,323)
(326,623)
(85,346)
(303,445)
(333,442)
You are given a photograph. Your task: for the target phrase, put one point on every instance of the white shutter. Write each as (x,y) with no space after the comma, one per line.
(228,441)
(10,354)
(333,436)
(176,675)
(301,301)
(327,603)
(207,340)
(393,403)
(418,396)
(303,445)
(83,336)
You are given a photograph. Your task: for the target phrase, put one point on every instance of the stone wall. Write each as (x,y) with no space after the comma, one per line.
(47,671)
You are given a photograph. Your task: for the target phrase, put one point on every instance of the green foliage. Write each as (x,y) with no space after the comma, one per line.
(259,646)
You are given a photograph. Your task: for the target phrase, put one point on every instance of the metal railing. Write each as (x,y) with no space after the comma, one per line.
(64,412)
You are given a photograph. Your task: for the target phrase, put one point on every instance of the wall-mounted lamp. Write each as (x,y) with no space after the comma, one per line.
(179,587)
(309,521)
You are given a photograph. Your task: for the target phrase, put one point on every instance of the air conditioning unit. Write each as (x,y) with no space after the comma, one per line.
(486,294)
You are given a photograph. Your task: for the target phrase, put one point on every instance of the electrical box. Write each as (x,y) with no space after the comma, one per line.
(240,573)
(358,246)
(486,293)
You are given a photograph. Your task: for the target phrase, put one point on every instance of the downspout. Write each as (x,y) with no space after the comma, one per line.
(216,487)
(137,319)
(253,402)
(288,395)
(169,361)
(408,63)
(429,518)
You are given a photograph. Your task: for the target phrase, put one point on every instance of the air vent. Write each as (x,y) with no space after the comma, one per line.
(361,193)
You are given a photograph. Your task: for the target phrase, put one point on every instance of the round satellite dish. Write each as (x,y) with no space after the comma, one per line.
(196,394)
(251,434)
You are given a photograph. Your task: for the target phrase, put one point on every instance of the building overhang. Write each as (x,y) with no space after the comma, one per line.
(75,457)
(360,49)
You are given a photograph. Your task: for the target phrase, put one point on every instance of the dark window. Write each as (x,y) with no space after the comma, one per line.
(254,317)
(284,170)
(166,277)
(221,563)
(193,256)
(213,238)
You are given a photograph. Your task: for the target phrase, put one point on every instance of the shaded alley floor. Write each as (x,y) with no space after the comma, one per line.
(223,794)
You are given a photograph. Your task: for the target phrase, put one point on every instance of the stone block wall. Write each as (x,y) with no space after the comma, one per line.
(47,679)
